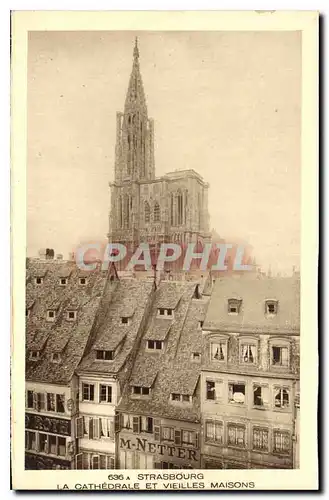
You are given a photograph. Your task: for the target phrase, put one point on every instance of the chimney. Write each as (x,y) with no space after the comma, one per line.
(50,253)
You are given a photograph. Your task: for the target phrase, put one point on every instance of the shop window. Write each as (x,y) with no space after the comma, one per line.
(260,439)
(236,435)
(88,391)
(105,393)
(281,442)
(214,432)
(236,392)
(281,398)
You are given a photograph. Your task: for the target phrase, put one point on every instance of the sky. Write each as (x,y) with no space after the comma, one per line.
(226,104)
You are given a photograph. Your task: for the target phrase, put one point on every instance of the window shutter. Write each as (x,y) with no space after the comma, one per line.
(91,428)
(178,437)
(136,425)
(284,354)
(118,417)
(196,440)
(78,461)
(79,427)
(265,395)
(110,428)
(157,430)
(96,427)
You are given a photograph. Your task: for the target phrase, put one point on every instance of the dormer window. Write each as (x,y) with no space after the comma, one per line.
(51,315)
(38,280)
(180,398)
(271,307)
(71,315)
(34,355)
(82,281)
(141,391)
(63,281)
(56,357)
(164,313)
(156,345)
(105,355)
(234,306)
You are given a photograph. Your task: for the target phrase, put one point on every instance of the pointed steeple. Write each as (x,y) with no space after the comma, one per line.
(135,99)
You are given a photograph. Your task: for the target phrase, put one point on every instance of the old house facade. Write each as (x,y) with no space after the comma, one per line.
(146,208)
(250,372)
(159,413)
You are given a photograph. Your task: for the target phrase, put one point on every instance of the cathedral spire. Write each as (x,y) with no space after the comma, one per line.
(135,99)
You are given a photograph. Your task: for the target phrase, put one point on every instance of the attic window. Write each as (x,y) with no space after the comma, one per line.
(82,281)
(34,355)
(182,398)
(165,312)
(38,280)
(105,355)
(125,320)
(56,357)
(234,306)
(63,281)
(196,357)
(154,345)
(271,307)
(51,315)
(71,315)
(141,391)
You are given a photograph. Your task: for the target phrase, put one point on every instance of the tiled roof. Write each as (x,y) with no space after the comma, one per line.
(68,337)
(168,297)
(254,292)
(134,295)
(159,329)
(173,367)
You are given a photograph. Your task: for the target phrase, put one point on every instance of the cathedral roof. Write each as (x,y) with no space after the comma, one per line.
(135,98)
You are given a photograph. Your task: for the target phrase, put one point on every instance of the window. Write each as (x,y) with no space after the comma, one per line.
(234,306)
(30,399)
(125,320)
(53,445)
(156,212)
(155,344)
(271,307)
(167,433)
(51,315)
(281,442)
(34,355)
(196,357)
(281,398)
(146,212)
(63,281)
(38,281)
(169,312)
(184,398)
(30,440)
(56,357)
(60,400)
(248,353)
(165,312)
(210,390)
(260,439)
(144,391)
(105,355)
(88,392)
(280,356)
(146,424)
(51,402)
(236,435)
(200,325)
(71,315)
(43,443)
(218,351)
(236,392)
(107,428)
(105,393)
(188,437)
(161,312)
(82,281)
(214,431)
(261,395)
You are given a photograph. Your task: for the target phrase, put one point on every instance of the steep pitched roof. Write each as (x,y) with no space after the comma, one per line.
(254,292)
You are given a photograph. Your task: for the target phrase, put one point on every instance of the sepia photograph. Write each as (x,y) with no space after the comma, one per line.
(163,260)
